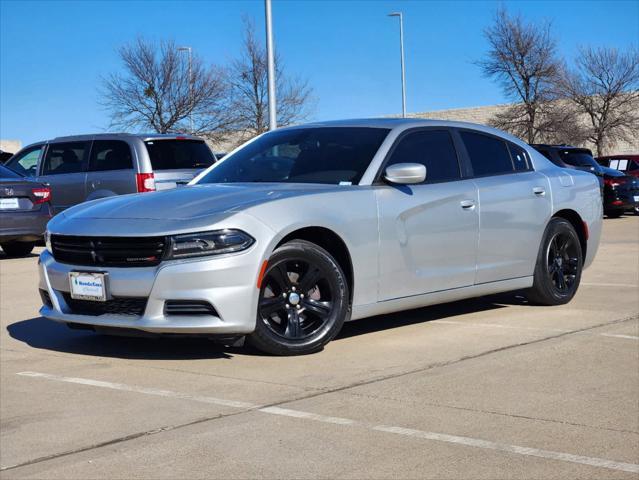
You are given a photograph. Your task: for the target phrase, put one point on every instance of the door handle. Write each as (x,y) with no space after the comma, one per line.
(539,191)
(467,204)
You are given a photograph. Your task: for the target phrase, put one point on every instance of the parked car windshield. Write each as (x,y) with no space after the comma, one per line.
(179,154)
(8,173)
(330,155)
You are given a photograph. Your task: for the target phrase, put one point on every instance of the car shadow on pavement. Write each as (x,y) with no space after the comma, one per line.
(4,256)
(426,314)
(44,334)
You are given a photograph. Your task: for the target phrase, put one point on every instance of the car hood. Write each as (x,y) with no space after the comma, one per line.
(191,202)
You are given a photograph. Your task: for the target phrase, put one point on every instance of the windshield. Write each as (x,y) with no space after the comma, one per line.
(333,155)
(179,154)
(8,173)
(578,158)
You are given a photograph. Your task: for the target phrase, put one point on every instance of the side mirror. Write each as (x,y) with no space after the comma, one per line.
(405,173)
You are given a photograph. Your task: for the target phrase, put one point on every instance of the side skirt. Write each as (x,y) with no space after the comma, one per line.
(443,296)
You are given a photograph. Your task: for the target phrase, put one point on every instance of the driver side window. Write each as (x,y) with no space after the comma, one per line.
(26,162)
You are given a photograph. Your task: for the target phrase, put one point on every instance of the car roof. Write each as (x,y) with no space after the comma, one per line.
(142,136)
(632,156)
(393,123)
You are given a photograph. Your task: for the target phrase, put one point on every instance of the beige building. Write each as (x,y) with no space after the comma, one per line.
(484,114)
(11,146)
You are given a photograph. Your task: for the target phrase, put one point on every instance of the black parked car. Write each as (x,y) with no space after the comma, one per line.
(25,209)
(621,192)
(567,156)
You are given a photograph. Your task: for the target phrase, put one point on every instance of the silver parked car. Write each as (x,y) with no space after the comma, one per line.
(304,228)
(88,167)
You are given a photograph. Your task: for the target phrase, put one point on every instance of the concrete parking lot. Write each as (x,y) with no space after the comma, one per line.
(488,388)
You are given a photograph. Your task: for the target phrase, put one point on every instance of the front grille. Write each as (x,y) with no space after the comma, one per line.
(116,306)
(108,251)
(189,307)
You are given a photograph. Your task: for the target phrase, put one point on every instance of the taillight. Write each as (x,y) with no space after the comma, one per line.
(613,182)
(41,195)
(145,182)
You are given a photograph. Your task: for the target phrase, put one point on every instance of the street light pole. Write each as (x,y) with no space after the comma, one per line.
(401,51)
(270,60)
(188,49)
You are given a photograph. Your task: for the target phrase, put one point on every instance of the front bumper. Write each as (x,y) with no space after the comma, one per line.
(227,282)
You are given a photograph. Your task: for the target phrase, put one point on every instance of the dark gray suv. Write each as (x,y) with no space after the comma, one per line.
(87,167)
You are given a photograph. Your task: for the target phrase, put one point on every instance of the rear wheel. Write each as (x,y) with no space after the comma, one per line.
(614,214)
(559,265)
(303,301)
(17,249)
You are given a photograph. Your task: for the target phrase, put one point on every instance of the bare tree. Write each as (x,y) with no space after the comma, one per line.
(248,78)
(604,87)
(522,58)
(157,91)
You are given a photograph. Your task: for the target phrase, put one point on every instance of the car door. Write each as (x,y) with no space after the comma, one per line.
(26,161)
(514,207)
(110,169)
(64,169)
(427,232)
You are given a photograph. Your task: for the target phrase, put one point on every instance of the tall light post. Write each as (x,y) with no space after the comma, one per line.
(401,51)
(270,61)
(188,49)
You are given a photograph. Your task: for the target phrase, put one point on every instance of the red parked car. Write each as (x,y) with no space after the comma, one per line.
(628,164)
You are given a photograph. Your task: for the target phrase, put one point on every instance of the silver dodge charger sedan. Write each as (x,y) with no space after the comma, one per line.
(304,228)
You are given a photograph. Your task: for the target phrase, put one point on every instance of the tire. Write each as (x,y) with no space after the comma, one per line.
(559,265)
(17,249)
(303,301)
(614,214)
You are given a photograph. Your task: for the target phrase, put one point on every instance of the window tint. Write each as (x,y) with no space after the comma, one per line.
(633,165)
(519,156)
(110,155)
(333,155)
(488,155)
(65,158)
(432,148)
(176,154)
(26,162)
(578,158)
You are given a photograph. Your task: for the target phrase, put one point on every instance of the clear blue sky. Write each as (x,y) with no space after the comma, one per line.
(52,53)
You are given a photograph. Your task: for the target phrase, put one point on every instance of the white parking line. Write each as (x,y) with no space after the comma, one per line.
(538,329)
(434,436)
(614,285)
(503,447)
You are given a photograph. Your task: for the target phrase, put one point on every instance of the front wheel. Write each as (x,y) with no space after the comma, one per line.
(17,249)
(559,265)
(303,301)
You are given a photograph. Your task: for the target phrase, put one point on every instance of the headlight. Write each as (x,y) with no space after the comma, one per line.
(47,241)
(209,243)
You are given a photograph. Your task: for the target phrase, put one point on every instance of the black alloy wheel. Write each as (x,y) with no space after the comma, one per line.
(563,261)
(559,265)
(303,300)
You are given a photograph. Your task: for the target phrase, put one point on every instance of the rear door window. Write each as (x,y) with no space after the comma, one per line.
(110,155)
(179,154)
(432,148)
(488,155)
(69,157)
(578,158)
(520,158)
(26,162)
